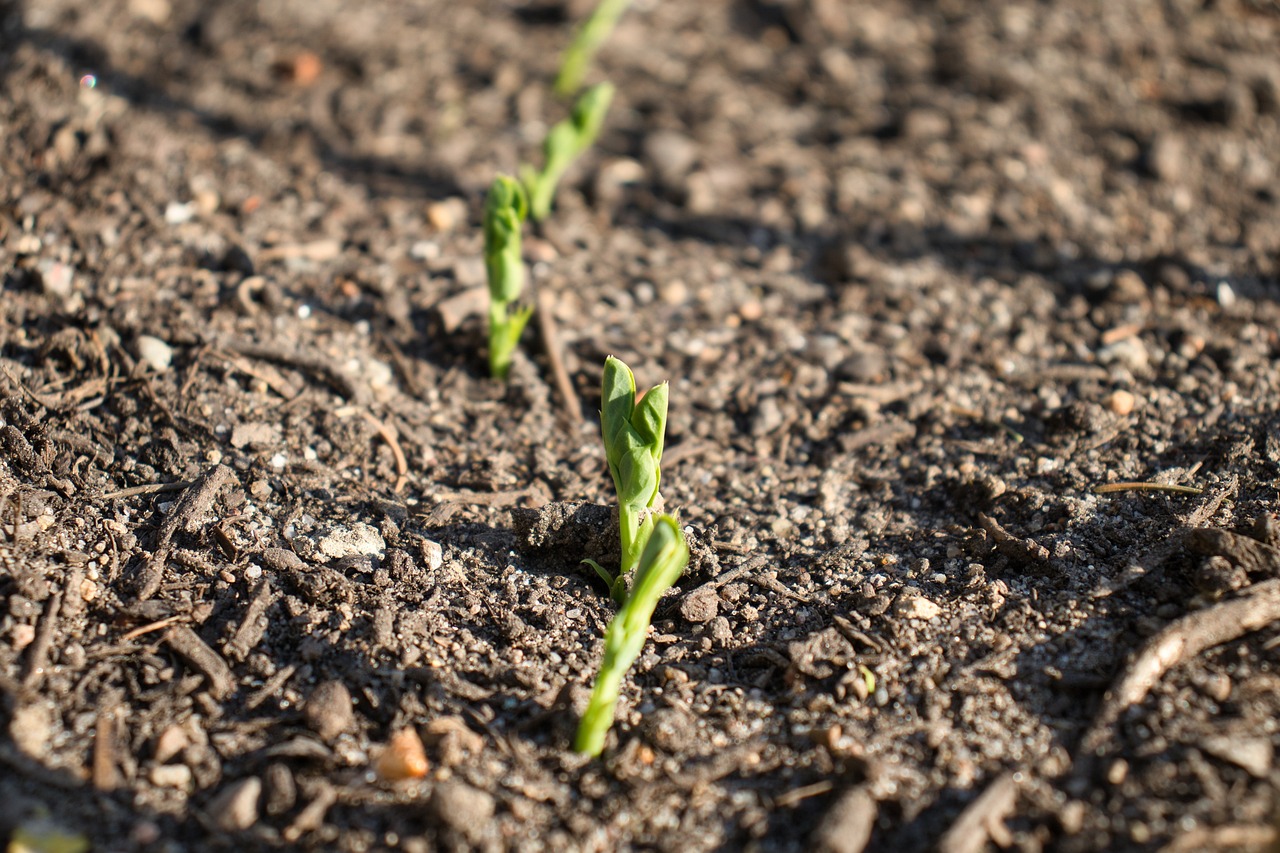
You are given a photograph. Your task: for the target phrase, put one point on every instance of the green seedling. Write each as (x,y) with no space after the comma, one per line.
(505,209)
(665,556)
(585,44)
(564,144)
(633,435)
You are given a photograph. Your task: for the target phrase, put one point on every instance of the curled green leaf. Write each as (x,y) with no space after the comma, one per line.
(633,436)
(505,208)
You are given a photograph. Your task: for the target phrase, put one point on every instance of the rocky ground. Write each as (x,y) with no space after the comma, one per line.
(969,312)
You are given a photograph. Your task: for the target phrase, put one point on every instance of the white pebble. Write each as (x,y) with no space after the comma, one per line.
(155,352)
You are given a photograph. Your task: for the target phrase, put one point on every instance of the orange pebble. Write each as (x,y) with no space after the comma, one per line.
(302,69)
(403,757)
(1121,402)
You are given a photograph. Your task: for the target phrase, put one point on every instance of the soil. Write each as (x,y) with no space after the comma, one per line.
(922,276)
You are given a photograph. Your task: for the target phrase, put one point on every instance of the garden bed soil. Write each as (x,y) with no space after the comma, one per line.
(922,276)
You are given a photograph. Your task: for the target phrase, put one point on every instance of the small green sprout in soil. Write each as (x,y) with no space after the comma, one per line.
(564,144)
(633,435)
(665,556)
(585,44)
(505,209)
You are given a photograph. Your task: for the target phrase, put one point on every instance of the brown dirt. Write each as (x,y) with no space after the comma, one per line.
(922,276)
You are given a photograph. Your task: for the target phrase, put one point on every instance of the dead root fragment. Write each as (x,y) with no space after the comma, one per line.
(38,654)
(1015,548)
(555,360)
(317,365)
(388,434)
(1180,641)
(1173,488)
(983,819)
(312,816)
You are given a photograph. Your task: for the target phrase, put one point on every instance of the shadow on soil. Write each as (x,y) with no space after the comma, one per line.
(381,176)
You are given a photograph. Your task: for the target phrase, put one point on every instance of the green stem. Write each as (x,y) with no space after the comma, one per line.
(585,44)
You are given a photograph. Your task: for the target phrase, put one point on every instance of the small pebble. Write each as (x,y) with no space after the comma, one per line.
(155,11)
(328,711)
(235,809)
(403,758)
(207,202)
(170,776)
(27,244)
(302,69)
(172,741)
(255,435)
(1166,157)
(701,605)
(464,809)
(358,539)
(282,790)
(671,155)
(22,636)
(177,213)
(1120,402)
(432,554)
(154,352)
(31,728)
(56,278)
(911,605)
(448,214)
(424,250)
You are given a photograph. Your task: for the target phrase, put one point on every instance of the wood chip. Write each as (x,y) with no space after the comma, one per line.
(106,771)
(186,513)
(1258,559)
(252,625)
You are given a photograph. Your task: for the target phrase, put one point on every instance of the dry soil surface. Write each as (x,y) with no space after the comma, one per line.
(969,312)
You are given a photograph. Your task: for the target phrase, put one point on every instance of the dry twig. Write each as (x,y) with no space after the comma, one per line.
(38,656)
(1258,607)
(199,654)
(560,376)
(389,436)
(1110,488)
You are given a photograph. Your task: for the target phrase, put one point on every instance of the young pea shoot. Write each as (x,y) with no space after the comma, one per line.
(564,144)
(633,435)
(505,208)
(585,44)
(665,556)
